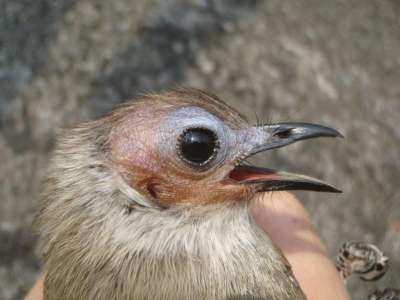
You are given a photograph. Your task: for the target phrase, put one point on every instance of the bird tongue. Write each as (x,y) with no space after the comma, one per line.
(251,174)
(271,180)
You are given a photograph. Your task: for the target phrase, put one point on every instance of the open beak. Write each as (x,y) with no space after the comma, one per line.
(277,135)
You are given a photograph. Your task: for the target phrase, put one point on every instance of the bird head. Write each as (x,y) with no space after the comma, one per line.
(187,146)
(133,197)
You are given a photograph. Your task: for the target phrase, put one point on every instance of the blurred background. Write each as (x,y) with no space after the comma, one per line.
(331,62)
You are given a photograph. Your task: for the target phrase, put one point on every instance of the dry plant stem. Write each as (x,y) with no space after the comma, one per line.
(285,220)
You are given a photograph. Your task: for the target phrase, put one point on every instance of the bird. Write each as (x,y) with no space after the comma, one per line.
(151,201)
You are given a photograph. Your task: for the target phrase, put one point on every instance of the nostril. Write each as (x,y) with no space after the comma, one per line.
(284,134)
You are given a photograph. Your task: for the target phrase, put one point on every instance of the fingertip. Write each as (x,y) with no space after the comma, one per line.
(36,293)
(282,216)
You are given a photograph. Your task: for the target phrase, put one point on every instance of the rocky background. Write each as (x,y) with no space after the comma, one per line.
(332,62)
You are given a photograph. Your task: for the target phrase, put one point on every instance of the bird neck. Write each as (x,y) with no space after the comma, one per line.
(213,252)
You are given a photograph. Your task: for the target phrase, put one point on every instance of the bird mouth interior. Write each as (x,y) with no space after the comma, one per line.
(247,173)
(264,179)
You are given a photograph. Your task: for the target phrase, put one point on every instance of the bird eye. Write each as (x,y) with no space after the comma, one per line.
(198,145)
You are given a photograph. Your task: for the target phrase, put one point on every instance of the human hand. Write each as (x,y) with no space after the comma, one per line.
(286,221)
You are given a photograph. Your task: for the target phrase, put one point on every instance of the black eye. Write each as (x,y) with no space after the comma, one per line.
(198,145)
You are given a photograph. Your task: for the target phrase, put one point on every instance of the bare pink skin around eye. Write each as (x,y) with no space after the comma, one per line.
(133,140)
(285,220)
(143,149)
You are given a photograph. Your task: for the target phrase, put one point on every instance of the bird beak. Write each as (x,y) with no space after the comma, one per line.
(273,136)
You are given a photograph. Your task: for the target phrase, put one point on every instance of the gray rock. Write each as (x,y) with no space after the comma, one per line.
(332,62)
